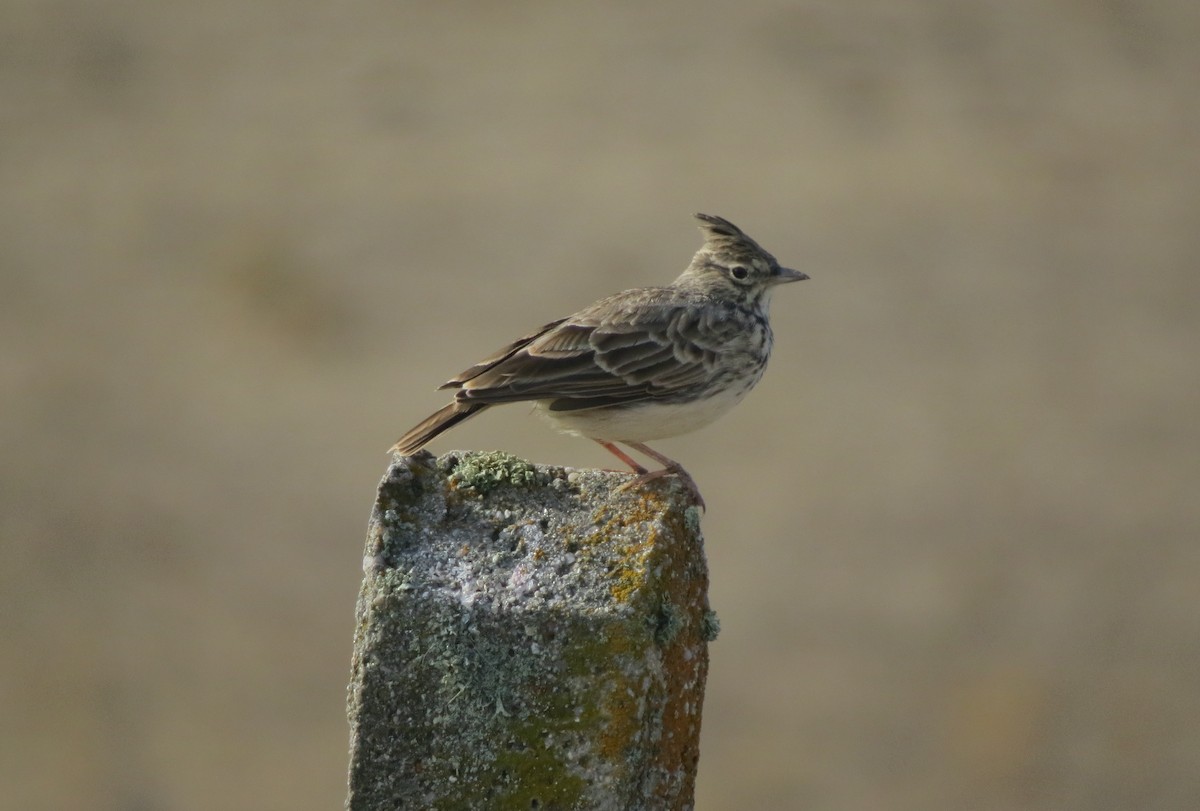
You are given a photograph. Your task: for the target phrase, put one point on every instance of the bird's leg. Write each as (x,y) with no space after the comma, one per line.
(624,457)
(670,468)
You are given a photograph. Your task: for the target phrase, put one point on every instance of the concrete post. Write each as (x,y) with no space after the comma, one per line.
(527,638)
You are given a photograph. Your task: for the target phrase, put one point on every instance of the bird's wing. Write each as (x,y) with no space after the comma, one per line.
(615,352)
(497,357)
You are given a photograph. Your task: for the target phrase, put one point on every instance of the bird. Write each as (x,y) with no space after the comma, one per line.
(645,364)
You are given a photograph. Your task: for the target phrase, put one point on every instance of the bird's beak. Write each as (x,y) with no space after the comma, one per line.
(783,275)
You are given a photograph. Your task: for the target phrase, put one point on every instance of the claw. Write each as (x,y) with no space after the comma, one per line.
(684,477)
(672,468)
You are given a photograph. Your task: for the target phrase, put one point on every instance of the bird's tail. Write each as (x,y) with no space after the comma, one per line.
(441,420)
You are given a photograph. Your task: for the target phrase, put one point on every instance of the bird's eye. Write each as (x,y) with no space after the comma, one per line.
(738,272)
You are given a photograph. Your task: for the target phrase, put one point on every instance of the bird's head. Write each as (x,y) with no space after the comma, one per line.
(732,265)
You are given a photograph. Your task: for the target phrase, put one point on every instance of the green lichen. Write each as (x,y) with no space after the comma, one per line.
(605,696)
(530,774)
(670,622)
(537,755)
(710,626)
(484,472)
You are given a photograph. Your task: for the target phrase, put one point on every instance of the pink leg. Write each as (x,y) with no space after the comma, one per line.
(624,457)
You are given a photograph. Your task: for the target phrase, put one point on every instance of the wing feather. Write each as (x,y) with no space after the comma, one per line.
(498,357)
(632,347)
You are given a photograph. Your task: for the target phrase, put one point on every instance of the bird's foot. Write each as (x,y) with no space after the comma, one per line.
(674,469)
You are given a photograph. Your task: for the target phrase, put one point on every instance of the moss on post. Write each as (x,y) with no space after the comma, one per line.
(527,638)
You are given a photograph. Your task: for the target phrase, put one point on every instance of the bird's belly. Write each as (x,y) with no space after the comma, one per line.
(642,422)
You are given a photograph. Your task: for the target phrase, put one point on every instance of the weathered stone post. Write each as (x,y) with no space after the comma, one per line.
(527,638)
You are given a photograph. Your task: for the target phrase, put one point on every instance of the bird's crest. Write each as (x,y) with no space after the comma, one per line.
(723,238)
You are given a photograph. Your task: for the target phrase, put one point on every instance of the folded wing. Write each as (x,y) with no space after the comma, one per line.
(589,361)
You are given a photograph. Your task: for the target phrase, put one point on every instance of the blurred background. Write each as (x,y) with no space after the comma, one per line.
(953,536)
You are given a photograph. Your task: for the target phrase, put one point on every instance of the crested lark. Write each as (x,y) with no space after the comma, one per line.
(648,363)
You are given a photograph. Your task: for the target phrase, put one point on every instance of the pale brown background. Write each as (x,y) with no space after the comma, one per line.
(954,536)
